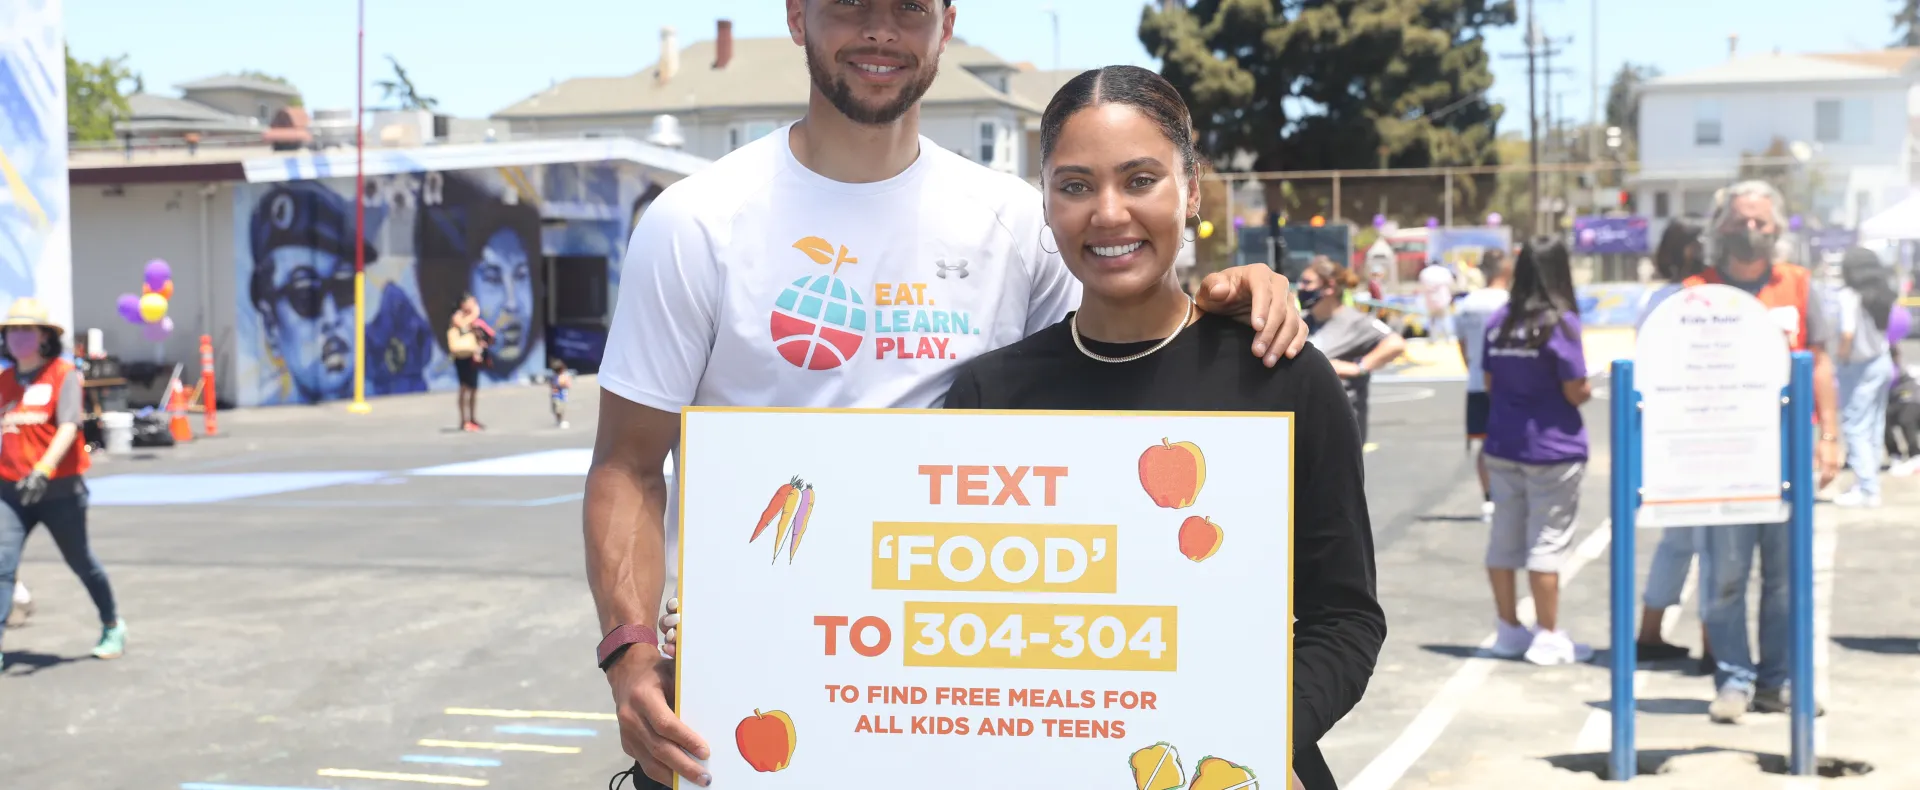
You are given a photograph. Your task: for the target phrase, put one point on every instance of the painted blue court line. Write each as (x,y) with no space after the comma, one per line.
(471,762)
(564,732)
(205,786)
(394,503)
(139,489)
(553,500)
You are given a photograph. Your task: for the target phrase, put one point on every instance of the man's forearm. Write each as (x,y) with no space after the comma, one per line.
(1826,394)
(626,543)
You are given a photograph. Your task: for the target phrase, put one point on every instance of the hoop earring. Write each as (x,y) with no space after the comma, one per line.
(1048,231)
(1190,235)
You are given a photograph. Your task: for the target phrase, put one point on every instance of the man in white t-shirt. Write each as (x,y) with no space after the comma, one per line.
(1470,323)
(1436,292)
(844,261)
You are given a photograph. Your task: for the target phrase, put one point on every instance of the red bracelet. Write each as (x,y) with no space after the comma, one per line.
(613,644)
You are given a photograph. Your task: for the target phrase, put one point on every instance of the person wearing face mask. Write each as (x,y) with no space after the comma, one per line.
(1744,232)
(1357,343)
(40,466)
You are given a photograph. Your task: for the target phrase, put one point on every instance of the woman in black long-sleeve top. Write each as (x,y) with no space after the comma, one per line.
(1121,180)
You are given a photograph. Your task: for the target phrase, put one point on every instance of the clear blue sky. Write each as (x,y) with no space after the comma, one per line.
(488,54)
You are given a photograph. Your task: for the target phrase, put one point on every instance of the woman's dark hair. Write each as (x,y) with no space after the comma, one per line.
(457,216)
(1670,261)
(1133,86)
(1863,272)
(1541,296)
(1340,278)
(51,347)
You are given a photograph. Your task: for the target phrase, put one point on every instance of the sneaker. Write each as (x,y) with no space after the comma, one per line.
(1905,468)
(1659,651)
(1853,497)
(1511,641)
(113,641)
(1780,700)
(1551,648)
(564,425)
(1729,705)
(1707,665)
(1486,512)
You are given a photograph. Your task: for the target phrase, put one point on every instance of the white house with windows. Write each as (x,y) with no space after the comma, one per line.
(1843,125)
(726,92)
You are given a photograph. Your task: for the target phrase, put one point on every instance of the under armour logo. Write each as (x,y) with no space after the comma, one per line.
(281,212)
(959,266)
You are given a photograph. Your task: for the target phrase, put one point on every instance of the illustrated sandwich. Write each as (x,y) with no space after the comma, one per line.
(1157,767)
(1214,773)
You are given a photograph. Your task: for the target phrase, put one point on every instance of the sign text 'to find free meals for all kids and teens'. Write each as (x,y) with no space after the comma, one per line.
(937,599)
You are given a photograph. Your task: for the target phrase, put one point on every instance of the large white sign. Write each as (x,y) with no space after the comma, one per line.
(928,599)
(1710,363)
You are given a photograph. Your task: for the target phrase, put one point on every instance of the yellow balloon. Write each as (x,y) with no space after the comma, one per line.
(153,307)
(1206,229)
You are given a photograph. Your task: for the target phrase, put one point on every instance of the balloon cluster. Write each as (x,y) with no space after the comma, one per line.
(149,309)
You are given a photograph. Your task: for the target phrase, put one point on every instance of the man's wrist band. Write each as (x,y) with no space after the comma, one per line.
(44,469)
(616,642)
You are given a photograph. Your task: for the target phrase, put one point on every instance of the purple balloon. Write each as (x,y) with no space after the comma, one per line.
(1433,222)
(1379,220)
(158,274)
(130,308)
(158,332)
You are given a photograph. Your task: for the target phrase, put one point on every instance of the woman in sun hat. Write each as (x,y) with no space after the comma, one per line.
(39,464)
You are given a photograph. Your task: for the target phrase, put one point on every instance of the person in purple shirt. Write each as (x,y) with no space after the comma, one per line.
(1536,449)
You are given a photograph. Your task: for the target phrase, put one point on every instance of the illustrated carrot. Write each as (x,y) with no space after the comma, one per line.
(786,516)
(800,516)
(773,506)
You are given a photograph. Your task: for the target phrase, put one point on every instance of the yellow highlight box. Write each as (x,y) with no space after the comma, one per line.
(994,557)
(1041,636)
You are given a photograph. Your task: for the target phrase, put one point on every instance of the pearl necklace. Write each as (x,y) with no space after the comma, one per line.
(1074,326)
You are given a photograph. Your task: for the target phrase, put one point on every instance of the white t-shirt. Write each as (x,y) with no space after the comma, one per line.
(758,282)
(1437,283)
(1470,325)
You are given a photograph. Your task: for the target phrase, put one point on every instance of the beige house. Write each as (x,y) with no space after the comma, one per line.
(723,93)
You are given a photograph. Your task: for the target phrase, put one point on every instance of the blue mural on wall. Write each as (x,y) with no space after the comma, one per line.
(432,238)
(34,219)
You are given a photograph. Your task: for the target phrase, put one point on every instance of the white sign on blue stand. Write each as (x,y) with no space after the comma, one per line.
(1712,361)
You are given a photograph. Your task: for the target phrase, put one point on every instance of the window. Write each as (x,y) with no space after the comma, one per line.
(1706,123)
(265,117)
(743,133)
(1847,121)
(1662,204)
(1826,120)
(989,137)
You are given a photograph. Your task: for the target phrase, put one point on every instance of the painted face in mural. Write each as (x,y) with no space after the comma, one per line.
(873,61)
(502,282)
(312,321)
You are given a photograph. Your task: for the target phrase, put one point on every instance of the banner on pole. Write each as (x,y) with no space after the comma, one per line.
(924,598)
(1711,363)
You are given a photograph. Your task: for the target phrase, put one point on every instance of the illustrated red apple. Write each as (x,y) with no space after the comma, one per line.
(1200,538)
(766,740)
(1172,473)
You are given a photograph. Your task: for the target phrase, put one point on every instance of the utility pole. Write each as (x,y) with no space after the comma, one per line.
(1534,45)
(1594,126)
(1049,11)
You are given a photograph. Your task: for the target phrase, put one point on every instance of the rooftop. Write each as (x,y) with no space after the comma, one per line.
(238,82)
(256,162)
(764,72)
(1775,67)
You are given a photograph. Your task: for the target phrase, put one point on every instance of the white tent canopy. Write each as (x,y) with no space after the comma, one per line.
(1900,222)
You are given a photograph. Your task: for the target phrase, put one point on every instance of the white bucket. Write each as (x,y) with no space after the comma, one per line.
(117,426)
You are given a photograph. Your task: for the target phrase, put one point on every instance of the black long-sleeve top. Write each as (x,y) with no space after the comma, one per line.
(1339,625)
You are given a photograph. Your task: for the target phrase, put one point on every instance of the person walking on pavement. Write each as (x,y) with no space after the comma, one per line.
(1118,162)
(467,344)
(1865,369)
(1740,253)
(848,204)
(1536,371)
(22,605)
(1436,293)
(42,469)
(1470,320)
(1357,343)
(1678,257)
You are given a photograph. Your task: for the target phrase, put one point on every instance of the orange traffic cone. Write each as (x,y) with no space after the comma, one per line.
(177,408)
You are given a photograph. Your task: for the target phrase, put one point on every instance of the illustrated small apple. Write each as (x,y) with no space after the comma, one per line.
(766,740)
(1172,473)
(1200,538)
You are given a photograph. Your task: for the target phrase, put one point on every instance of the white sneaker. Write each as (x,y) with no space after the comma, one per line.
(1904,468)
(1486,512)
(1511,641)
(1853,498)
(1550,648)
(563,425)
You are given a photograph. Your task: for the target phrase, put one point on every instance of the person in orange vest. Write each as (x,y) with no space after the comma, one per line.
(41,468)
(1741,248)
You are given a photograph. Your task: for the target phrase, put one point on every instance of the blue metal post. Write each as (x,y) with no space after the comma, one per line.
(1626,500)
(1799,437)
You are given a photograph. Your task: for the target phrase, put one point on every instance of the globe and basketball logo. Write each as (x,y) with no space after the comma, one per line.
(818,321)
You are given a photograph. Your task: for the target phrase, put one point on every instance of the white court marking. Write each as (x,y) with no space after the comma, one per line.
(570,462)
(1597,734)
(1390,765)
(1398,395)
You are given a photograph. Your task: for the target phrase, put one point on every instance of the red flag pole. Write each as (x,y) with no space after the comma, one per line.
(360,405)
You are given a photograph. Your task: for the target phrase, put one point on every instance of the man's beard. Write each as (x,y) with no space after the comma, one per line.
(840,93)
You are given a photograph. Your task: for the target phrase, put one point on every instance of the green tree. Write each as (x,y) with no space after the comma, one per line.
(401,87)
(1339,84)
(97,96)
(295,101)
(1623,100)
(1906,24)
